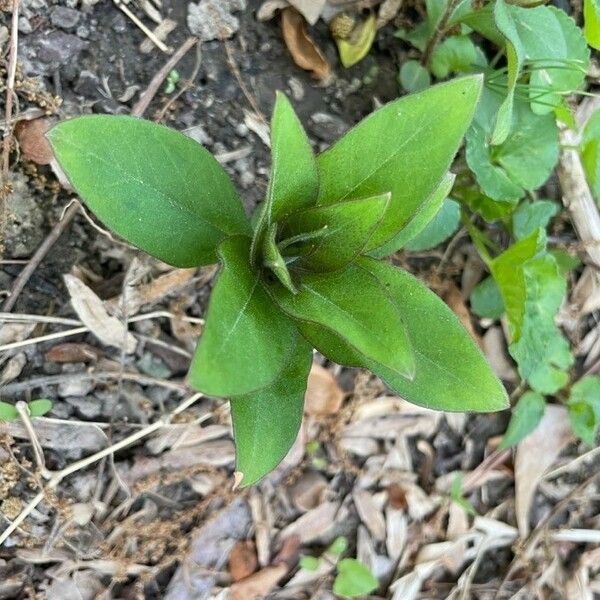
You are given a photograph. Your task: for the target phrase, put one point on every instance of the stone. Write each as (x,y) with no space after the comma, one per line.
(59,48)
(88,407)
(212,19)
(64,17)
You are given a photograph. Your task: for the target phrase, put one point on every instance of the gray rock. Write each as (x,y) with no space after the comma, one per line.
(59,48)
(88,407)
(64,17)
(328,127)
(87,84)
(212,19)
(25,25)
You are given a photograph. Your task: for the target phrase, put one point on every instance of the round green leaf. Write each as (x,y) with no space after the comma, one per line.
(414,77)
(354,579)
(38,408)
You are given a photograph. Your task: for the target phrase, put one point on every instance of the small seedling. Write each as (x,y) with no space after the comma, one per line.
(171,82)
(37,408)
(306,273)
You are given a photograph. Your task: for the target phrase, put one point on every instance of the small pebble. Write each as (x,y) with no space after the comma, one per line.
(64,17)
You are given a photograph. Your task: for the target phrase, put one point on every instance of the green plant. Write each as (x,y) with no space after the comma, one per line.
(306,274)
(36,408)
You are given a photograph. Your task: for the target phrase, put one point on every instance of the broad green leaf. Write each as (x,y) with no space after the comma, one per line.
(456,54)
(483,22)
(347,227)
(393,149)
(526,158)
(515,54)
(590,152)
(354,579)
(8,412)
(425,213)
(353,304)
(529,216)
(526,415)
(38,408)
(451,372)
(591,18)
(266,422)
(353,49)
(584,408)
(491,210)
(154,186)
(273,260)
(247,341)
(294,183)
(440,228)
(413,76)
(486,301)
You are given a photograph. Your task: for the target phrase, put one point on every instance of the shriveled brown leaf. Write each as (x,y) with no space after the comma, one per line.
(90,309)
(258,585)
(323,394)
(535,454)
(72,352)
(243,560)
(33,144)
(289,553)
(305,52)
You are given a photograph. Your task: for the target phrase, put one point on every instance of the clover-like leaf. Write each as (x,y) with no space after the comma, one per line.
(38,408)
(353,304)
(266,422)
(8,412)
(354,579)
(247,341)
(157,188)
(529,216)
(347,228)
(584,408)
(392,150)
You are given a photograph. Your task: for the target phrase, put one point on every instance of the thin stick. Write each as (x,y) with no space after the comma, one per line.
(148,32)
(10,87)
(38,453)
(58,476)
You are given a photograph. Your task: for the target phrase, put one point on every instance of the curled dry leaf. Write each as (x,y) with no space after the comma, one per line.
(535,454)
(243,560)
(33,144)
(455,300)
(72,352)
(306,54)
(90,309)
(323,394)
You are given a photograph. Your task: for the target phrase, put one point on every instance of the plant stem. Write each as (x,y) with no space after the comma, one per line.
(439,32)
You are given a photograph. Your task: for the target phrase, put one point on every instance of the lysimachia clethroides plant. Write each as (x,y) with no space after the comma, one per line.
(309,271)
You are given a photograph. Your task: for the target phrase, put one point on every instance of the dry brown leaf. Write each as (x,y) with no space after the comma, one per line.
(306,54)
(90,309)
(535,454)
(260,584)
(242,560)
(323,394)
(33,144)
(307,492)
(72,352)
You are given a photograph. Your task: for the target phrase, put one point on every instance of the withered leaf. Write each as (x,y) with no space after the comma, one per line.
(33,144)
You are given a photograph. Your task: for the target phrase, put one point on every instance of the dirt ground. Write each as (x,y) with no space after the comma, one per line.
(159,517)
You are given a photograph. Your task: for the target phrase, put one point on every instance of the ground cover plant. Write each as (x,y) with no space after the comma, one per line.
(306,273)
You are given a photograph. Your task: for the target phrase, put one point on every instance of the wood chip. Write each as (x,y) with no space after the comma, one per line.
(307,493)
(72,352)
(314,524)
(323,394)
(535,454)
(369,514)
(242,560)
(396,532)
(259,585)
(91,311)
(305,52)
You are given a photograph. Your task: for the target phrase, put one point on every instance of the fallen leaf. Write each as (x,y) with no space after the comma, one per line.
(396,531)
(15,332)
(323,394)
(494,348)
(535,454)
(289,553)
(308,491)
(33,144)
(357,45)
(91,311)
(242,560)
(258,585)
(306,54)
(72,352)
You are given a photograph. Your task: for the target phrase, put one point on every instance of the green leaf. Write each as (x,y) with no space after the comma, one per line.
(456,54)
(526,415)
(273,260)
(338,546)
(414,77)
(451,372)
(591,18)
(347,226)
(8,412)
(590,152)
(491,210)
(457,495)
(354,579)
(247,341)
(584,408)
(419,36)
(439,229)
(266,422)
(529,216)
(425,213)
(515,55)
(393,150)
(309,563)
(353,304)
(38,408)
(564,261)
(357,46)
(154,186)
(524,161)
(486,300)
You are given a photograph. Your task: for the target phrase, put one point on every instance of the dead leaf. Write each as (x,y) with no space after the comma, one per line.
(356,46)
(494,348)
(15,332)
(242,560)
(72,352)
(323,394)
(307,492)
(306,54)
(90,309)
(289,553)
(396,532)
(33,144)
(534,455)
(259,585)
(257,124)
